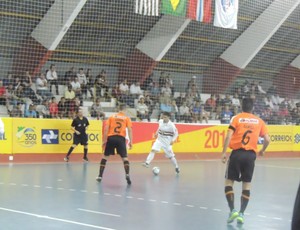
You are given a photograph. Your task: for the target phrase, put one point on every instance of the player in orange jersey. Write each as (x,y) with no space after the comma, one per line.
(242,137)
(114,137)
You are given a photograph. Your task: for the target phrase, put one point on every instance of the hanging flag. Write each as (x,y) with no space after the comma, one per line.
(226,12)
(199,10)
(174,7)
(147,7)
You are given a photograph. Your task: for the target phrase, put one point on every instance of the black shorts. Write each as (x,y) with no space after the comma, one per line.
(80,139)
(240,166)
(118,143)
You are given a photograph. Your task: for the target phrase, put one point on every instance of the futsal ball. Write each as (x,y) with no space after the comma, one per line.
(155,170)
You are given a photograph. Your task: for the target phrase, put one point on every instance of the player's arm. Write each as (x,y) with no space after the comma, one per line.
(226,144)
(129,129)
(74,130)
(105,133)
(175,135)
(265,145)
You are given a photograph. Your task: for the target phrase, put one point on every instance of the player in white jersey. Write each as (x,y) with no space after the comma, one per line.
(166,135)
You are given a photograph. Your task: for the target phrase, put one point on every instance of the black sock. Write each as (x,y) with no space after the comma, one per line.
(126,167)
(70,151)
(85,150)
(102,167)
(230,197)
(244,200)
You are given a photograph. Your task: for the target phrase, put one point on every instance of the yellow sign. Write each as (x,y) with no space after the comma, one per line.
(6,143)
(51,136)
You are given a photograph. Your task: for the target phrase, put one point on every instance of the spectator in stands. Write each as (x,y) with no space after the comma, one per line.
(272,90)
(20,95)
(235,101)
(116,93)
(295,115)
(284,115)
(226,101)
(162,80)
(2,94)
(148,83)
(210,104)
(45,109)
(101,84)
(135,90)
(53,108)
(226,115)
(62,108)
(174,111)
(194,93)
(150,104)
(192,81)
(124,89)
(17,111)
(69,95)
(26,82)
(245,89)
(96,110)
(8,80)
(83,83)
(184,113)
(267,114)
(165,106)
(198,113)
(69,76)
(169,82)
(142,110)
(166,90)
(73,108)
(52,78)
(11,98)
(276,101)
(90,82)
(180,99)
(268,102)
(76,87)
(155,92)
(258,88)
(42,87)
(31,111)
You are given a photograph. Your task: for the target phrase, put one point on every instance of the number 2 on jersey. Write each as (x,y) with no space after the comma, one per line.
(118,127)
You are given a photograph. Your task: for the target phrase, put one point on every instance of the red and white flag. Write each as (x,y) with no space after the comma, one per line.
(147,7)
(199,10)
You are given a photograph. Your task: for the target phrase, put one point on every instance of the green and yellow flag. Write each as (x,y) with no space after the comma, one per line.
(174,7)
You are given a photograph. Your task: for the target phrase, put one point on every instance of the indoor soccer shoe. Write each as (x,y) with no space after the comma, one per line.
(128,180)
(85,159)
(234,214)
(99,179)
(240,218)
(145,164)
(177,170)
(66,159)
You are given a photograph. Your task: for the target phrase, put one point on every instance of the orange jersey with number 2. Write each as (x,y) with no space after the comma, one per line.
(247,128)
(117,124)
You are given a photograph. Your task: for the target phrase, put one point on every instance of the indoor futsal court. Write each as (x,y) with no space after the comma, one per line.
(66,196)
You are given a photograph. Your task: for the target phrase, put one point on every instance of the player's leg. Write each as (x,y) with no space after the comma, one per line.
(109,150)
(155,149)
(247,169)
(122,151)
(76,141)
(85,147)
(170,154)
(296,213)
(232,174)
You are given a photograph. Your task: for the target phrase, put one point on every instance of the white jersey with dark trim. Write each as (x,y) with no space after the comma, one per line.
(166,132)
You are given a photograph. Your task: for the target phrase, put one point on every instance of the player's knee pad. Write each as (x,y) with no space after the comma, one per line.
(228,189)
(126,162)
(246,194)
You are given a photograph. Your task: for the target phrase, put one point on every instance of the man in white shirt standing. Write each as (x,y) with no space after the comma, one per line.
(135,90)
(52,77)
(166,135)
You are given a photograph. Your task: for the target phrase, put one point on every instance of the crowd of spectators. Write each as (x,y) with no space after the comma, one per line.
(147,97)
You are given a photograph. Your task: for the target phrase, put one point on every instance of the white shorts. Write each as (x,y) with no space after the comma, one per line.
(167,148)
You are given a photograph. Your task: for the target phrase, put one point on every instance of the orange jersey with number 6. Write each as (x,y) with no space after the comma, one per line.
(247,128)
(117,124)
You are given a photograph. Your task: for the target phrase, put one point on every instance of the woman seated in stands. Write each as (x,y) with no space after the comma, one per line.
(198,113)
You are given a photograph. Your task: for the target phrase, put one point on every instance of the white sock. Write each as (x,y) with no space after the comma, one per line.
(150,157)
(174,161)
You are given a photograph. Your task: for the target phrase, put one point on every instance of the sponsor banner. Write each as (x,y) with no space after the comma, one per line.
(51,136)
(296,138)
(195,138)
(6,141)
